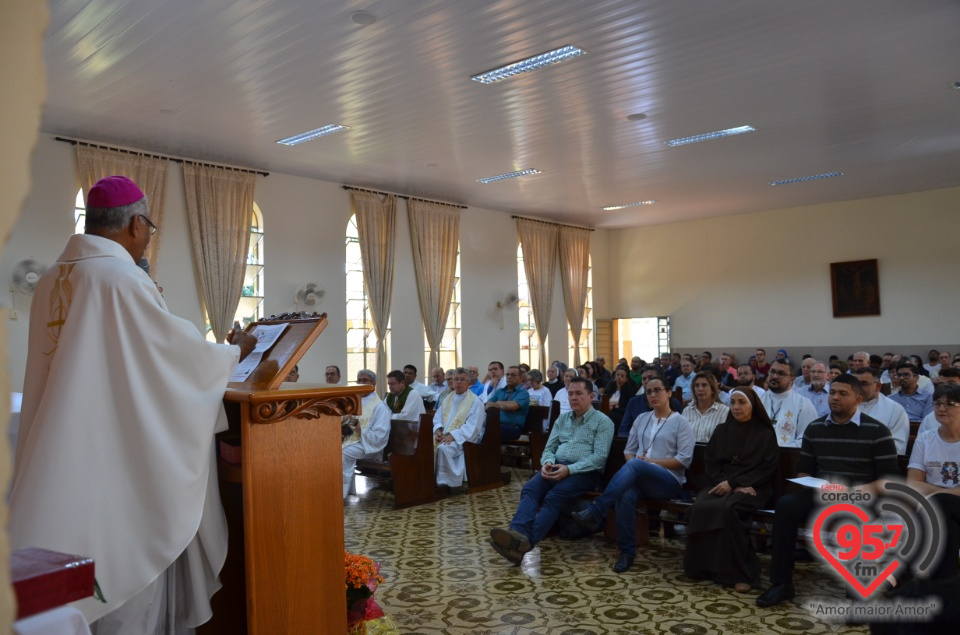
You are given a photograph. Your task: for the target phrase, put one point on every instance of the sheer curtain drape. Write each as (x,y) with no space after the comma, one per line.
(220,211)
(376,228)
(148,172)
(574,271)
(538,240)
(434,236)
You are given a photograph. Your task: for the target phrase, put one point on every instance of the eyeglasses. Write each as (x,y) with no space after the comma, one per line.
(946,404)
(779,373)
(904,375)
(153,228)
(655,391)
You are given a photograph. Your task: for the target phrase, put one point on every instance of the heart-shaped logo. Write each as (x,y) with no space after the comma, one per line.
(853,537)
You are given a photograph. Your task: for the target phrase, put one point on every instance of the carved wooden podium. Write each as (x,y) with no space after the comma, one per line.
(284,572)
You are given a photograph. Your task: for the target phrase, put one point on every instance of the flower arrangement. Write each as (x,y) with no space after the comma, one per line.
(362,578)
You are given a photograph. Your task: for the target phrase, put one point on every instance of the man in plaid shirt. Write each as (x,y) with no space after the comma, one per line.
(572,462)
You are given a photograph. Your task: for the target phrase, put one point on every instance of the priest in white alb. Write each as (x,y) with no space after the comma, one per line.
(121,401)
(460,419)
(371,431)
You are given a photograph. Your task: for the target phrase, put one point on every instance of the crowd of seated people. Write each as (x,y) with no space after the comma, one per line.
(742,412)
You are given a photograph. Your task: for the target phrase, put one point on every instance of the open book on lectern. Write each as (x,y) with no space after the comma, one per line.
(280,346)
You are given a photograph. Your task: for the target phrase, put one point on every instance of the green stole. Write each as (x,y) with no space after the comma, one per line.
(397,402)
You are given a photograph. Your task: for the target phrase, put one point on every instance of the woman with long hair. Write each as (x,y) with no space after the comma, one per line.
(742,461)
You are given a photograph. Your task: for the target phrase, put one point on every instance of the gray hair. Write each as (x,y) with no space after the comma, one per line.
(108,220)
(368,373)
(460,370)
(535,375)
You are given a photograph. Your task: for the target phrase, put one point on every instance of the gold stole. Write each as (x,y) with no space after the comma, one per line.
(460,416)
(364,420)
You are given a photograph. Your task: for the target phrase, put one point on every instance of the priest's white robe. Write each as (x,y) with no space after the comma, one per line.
(791,413)
(374,434)
(891,414)
(451,468)
(121,401)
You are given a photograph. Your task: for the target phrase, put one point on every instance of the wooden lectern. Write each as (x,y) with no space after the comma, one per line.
(284,572)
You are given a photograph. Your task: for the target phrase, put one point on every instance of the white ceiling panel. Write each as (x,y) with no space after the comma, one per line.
(829,86)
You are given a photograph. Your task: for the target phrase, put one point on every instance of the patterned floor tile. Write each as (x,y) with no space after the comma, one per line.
(443,578)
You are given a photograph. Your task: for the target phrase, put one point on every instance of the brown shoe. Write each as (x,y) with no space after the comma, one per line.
(512,555)
(741,587)
(510,539)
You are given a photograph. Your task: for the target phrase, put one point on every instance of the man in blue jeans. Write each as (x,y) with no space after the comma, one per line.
(572,462)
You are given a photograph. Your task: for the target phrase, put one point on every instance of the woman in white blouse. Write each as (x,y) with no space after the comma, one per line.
(705,412)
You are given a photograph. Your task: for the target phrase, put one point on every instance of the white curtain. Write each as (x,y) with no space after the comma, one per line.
(538,241)
(150,173)
(376,228)
(220,211)
(574,271)
(434,235)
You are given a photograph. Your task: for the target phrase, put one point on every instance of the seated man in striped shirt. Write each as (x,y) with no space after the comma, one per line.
(845,446)
(573,463)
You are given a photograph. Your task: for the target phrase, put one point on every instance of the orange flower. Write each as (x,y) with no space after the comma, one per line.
(361,572)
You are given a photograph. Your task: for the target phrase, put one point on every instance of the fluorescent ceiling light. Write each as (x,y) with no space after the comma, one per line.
(801,179)
(537,61)
(313,134)
(613,207)
(508,175)
(709,135)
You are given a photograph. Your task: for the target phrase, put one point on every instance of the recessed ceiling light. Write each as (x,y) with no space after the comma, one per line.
(313,134)
(709,135)
(169,111)
(508,175)
(801,179)
(537,61)
(637,116)
(956,85)
(613,207)
(364,18)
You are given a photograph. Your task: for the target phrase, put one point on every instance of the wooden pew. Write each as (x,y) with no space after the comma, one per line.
(482,459)
(408,462)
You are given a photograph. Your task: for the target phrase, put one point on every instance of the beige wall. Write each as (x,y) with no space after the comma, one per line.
(23,79)
(764,279)
(304,220)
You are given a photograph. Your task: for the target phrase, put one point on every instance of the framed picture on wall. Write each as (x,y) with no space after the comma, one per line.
(856,288)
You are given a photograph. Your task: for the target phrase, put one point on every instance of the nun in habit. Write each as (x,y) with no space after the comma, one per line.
(742,461)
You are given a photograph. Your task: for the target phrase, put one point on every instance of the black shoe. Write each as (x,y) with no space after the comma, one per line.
(777,594)
(510,539)
(624,562)
(588,520)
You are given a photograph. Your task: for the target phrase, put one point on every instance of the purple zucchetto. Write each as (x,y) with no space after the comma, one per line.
(113,191)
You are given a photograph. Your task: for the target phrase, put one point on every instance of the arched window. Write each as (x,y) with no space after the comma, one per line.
(361,336)
(586,332)
(450,344)
(529,342)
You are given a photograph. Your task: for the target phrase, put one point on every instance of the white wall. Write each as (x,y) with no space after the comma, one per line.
(764,279)
(304,223)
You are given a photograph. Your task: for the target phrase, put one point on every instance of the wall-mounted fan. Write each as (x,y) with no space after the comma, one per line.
(26,274)
(511,301)
(309,295)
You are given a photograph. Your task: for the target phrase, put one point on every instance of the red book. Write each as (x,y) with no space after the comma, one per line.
(44,579)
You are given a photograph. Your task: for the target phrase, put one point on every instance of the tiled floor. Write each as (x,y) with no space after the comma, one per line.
(443,577)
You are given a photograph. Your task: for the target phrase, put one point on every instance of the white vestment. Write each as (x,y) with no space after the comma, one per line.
(791,413)
(412,408)
(929,423)
(891,414)
(373,437)
(121,401)
(462,416)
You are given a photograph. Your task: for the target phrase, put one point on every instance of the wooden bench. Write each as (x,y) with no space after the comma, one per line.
(534,437)
(408,462)
(482,459)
